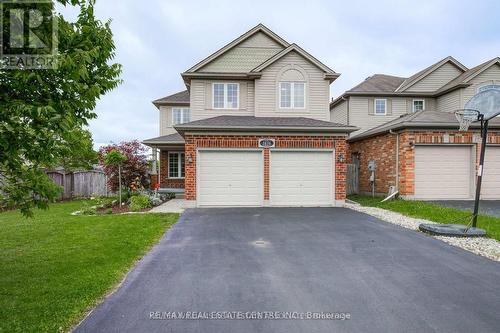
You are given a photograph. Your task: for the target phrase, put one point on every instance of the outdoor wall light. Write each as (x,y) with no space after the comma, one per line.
(341,158)
(189,158)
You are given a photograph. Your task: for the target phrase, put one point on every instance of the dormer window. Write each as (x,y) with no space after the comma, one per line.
(225,95)
(418,105)
(380,107)
(292,95)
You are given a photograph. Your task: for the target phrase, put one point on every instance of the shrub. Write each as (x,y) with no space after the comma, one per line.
(88,210)
(139,202)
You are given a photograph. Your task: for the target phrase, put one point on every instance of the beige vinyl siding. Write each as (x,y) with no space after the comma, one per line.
(361,112)
(166,120)
(429,103)
(201,100)
(436,79)
(317,90)
(245,56)
(450,102)
(489,76)
(338,114)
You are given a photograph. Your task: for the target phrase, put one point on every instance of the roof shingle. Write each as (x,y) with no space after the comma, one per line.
(181,97)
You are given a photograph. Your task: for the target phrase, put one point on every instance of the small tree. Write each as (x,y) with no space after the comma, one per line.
(135,167)
(115,159)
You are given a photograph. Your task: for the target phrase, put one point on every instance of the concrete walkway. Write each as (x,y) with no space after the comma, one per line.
(173,206)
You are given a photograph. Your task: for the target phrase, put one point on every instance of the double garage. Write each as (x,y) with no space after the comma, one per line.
(448,172)
(258,177)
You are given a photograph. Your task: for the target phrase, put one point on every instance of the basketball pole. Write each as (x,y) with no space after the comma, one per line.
(484,135)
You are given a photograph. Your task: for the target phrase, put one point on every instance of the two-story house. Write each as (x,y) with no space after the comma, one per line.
(408,127)
(253,128)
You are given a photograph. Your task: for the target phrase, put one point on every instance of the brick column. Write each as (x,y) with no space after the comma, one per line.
(190,172)
(340,169)
(266,173)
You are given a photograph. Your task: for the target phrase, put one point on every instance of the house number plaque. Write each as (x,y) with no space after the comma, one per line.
(266,143)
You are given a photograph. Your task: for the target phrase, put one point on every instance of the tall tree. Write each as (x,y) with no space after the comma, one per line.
(40,110)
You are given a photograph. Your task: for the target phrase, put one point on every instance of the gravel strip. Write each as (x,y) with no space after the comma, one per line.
(486,247)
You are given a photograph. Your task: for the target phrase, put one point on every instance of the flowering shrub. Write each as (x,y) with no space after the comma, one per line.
(134,168)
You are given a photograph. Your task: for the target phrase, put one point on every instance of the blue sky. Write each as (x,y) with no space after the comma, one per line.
(157,40)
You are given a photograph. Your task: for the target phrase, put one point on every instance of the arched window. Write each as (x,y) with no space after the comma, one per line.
(488,86)
(292,89)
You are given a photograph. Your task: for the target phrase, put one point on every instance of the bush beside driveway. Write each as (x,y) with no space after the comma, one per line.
(55,267)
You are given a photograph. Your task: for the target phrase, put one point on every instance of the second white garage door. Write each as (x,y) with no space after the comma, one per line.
(443,172)
(301,178)
(230,178)
(490,188)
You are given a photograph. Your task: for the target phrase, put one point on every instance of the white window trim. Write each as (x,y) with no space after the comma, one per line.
(482,86)
(179,164)
(182,115)
(292,95)
(417,100)
(375,106)
(225,107)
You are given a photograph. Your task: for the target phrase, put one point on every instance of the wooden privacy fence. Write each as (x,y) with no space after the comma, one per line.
(80,183)
(352,179)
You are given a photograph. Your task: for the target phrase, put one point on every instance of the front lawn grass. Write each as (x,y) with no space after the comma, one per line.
(55,266)
(432,212)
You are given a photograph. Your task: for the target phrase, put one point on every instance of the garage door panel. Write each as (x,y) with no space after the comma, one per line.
(301,178)
(230,178)
(490,188)
(443,172)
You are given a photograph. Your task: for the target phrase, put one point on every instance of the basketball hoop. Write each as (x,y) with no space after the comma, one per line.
(466,117)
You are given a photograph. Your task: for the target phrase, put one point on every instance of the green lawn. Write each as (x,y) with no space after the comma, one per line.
(55,267)
(432,212)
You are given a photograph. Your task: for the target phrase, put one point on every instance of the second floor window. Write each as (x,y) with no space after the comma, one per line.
(380,107)
(292,95)
(181,116)
(418,105)
(225,95)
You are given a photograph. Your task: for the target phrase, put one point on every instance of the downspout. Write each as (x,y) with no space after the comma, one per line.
(347,109)
(397,158)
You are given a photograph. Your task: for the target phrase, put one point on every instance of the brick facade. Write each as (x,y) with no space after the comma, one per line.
(382,149)
(251,141)
(165,181)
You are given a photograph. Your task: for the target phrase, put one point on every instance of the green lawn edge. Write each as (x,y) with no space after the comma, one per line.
(431,212)
(56,267)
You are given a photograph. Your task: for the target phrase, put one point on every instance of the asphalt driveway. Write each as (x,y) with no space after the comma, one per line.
(326,260)
(486,207)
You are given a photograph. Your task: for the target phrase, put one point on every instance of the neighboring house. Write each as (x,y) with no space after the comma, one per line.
(408,128)
(253,129)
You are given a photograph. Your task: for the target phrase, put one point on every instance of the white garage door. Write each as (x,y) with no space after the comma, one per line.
(230,178)
(443,172)
(490,188)
(299,178)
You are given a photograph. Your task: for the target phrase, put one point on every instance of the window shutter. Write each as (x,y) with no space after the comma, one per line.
(389,107)
(409,105)
(208,96)
(370,106)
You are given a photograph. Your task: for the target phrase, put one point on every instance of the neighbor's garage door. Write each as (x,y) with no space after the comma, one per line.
(230,178)
(490,188)
(443,172)
(301,178)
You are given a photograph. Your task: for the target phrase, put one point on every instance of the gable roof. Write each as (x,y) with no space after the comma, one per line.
(420,119)
(465,77)
(426,71)
(299,50)
(258,28)
(180,98)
